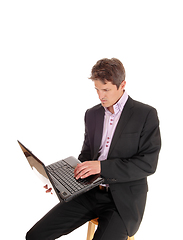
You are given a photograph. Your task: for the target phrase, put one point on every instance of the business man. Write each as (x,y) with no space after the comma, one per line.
(122,144)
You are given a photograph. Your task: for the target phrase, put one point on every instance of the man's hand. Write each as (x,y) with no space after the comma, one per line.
(86,169)
(48,189)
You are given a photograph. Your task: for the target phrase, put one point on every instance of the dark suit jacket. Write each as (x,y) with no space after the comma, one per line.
(133,155)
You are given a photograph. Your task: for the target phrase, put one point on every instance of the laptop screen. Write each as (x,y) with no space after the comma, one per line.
(36,165)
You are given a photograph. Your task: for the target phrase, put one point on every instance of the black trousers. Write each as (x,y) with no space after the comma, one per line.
(66,217)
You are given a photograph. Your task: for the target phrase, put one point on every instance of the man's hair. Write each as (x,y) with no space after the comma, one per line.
(108,70)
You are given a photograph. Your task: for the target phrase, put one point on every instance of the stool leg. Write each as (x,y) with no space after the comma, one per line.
(91,230)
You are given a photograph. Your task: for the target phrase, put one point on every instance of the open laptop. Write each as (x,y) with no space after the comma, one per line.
(60,176)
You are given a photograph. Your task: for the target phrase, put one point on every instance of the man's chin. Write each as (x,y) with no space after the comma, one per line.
(105,105)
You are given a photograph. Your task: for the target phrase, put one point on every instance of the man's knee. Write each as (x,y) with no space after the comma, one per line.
(31,235)
(28,236)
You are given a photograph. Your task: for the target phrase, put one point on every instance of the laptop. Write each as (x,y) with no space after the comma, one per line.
(60,176)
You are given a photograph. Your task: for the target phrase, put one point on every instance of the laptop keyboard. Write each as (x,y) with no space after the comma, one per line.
(64,173)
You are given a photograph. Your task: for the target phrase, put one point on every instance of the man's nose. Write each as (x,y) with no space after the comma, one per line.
(101,95)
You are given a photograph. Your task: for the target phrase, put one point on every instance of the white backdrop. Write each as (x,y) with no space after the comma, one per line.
(47,49)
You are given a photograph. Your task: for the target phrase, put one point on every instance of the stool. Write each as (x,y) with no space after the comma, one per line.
(91,229)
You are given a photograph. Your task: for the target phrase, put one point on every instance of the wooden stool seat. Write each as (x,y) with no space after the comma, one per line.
(91,229)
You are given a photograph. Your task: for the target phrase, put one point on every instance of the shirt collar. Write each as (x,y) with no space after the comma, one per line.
(119,105)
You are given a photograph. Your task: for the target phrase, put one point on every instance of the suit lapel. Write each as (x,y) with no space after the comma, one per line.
(124,118)
(99,118)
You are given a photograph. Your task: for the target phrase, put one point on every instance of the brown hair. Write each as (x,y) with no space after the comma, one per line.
(108,70)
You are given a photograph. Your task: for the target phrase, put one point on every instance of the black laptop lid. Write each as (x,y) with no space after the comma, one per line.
(34,162)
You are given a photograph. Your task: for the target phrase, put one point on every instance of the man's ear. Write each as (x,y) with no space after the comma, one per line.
(122,85)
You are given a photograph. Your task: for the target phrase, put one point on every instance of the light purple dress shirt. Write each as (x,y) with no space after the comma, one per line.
(110,123)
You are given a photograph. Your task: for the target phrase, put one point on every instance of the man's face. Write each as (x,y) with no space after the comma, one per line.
(108,93)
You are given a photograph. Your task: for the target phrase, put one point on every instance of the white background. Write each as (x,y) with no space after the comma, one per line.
(47,49)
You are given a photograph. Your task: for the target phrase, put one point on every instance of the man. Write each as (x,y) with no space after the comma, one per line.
(122,144)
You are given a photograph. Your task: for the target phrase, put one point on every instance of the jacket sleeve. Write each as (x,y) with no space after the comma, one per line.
(141,164)
(85,154)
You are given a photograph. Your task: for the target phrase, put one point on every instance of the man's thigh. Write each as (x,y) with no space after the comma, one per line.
(62,219)
(110,226)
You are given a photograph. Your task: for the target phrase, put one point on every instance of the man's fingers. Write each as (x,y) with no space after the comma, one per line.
(78,169)
(49,190)
(83,174)
(81,170)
